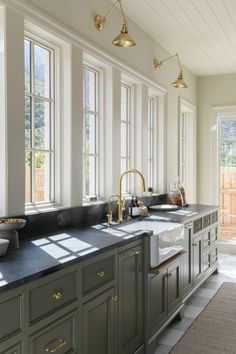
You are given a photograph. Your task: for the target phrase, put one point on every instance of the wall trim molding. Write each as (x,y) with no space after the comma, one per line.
(49,23)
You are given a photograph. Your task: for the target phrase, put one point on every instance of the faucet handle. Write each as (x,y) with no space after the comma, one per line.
(123,203)
(109,218)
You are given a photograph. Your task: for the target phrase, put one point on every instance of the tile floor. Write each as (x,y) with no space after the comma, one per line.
(196,303)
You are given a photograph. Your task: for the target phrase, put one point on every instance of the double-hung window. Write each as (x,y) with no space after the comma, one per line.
(151,141)
(91,127)
(39,122)
(125,134)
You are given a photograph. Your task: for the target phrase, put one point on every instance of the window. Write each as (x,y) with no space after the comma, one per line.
(39,122)
(150,141)
(187,149)
(125,134)
(91,126)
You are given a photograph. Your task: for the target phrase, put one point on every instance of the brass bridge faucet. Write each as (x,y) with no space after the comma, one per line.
(121,201)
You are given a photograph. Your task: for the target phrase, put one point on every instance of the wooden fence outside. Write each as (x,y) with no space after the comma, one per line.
(228,202)
(39,184)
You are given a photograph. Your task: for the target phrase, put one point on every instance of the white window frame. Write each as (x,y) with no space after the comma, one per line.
(128,125)
(99,171)
(54,45)
(187,148)
(151,140)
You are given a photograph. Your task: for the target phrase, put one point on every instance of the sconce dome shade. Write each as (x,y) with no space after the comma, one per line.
(123,39)
(179,83)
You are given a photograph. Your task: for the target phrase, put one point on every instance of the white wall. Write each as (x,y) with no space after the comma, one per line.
(212,91)
(78,15)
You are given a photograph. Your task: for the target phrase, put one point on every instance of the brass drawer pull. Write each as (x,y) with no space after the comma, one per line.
(195,244)
(131,254)
(57,295)
(101,274)
(115,298)
(61,344)
(168,275)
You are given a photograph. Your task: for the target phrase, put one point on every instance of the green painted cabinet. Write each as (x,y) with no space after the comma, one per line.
(187,260)
(130,299)
(99,324)
(165,293)
(197,259)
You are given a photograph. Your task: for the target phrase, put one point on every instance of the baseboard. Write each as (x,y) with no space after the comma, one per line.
(228,247)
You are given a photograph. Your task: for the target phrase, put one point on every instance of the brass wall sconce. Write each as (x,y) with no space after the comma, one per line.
(179,82)
(123,39)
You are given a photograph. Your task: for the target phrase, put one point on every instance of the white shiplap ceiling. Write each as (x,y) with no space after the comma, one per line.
(203,32)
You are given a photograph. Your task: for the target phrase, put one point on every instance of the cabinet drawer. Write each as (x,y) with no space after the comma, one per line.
(97,274)
(214,217)
(206,239)
(214,234)
(52,296)
(206,220)
(16,349)
(59,337)
(197,225)
(10,317)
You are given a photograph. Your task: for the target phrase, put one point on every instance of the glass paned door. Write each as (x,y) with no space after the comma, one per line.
(227,165)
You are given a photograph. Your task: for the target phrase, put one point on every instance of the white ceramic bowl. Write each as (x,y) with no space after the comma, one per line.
(3,246)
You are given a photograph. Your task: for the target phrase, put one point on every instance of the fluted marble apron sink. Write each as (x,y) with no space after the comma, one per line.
(166,241)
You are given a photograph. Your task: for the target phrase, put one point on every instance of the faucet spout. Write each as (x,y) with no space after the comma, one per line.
(121,200)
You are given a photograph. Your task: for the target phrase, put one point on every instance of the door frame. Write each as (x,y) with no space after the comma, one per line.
(219,112)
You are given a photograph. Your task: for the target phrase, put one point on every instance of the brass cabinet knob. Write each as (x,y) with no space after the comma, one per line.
(101,274)
(61,343)
(115,298)
(57,295)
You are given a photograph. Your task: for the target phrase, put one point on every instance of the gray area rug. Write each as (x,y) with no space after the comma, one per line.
(214,330)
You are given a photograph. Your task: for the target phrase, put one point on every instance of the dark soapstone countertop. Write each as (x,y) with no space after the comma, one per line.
(43,254)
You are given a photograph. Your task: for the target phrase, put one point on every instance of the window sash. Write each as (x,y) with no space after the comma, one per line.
(92,180)
(151,141)
(125,134)
(32,150)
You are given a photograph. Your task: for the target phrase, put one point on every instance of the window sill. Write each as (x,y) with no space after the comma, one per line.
(41,208)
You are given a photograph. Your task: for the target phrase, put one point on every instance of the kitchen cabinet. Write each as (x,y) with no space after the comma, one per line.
(12,349)
(165,292)
(99,324)
(197,259)
(187,260)
(130,299)
(113,319)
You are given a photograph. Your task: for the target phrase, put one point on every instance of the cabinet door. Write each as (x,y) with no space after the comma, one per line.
(98,324)
(187,261)
(130,300)
(15,349)
(174,293)
(197,258)
(158,300)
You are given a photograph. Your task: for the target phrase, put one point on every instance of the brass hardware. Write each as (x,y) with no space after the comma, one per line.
(62,343)
(57,295)
(131,254)
(115,298)
(195,244)
(101,274)
(123,39)
(109,218)
(179,82)
(109,215)
(121,200)
(168,275)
